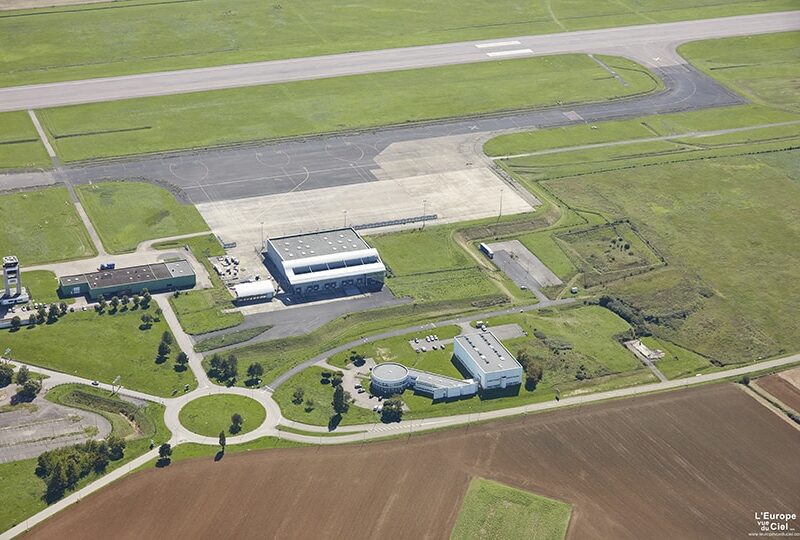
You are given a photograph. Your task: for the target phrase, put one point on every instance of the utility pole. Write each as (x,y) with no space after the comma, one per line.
(345,218)
(262,235)
(501,205)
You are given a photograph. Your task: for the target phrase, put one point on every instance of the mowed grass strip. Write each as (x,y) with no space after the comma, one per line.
(332,105)
(127,213)
(20,147)
(42,226)
(42,285)
(101,346)
(209,415)
(77,42)
(494,510)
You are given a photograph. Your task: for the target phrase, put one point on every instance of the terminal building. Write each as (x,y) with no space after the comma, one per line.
(166,276)
(13,291)
(487,360)
(482,355)
(320,262)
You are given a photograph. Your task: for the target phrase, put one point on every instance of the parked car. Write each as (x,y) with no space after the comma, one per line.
(95,383)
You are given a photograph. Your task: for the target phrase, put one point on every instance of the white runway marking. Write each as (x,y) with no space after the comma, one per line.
(510,53)
(496,44)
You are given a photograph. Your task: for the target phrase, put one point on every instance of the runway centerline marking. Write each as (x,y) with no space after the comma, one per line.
(496,44)
(509,53)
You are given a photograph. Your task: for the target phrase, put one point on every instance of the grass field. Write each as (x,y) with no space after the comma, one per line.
(200,311)
(399,350)
(20,147)
(445,272)
(76,42)
(494,510)
(329,105)
(22,494)
(209,415)
(100,347)
(320,411)
(42,285)
(42,226)
(230,338)
(127,213)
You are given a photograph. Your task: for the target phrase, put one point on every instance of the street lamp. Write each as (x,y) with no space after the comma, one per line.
(424,203)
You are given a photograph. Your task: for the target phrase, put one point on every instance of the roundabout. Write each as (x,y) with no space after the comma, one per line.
(210,415)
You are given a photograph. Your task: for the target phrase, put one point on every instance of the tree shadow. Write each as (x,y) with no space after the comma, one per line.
(234,429)
(219,455)
(334,422)
(180,368)
(163,462)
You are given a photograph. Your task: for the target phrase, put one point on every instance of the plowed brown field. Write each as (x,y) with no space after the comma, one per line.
(783,390)
(688,464)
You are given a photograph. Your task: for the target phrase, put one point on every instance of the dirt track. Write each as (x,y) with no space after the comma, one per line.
(687,464)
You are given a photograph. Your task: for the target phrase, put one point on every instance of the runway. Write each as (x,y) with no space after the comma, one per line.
(652,45)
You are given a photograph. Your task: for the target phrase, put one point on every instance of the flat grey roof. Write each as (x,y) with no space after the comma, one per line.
(300,246)
(439,381)
(488,353)
(130,275)
(390,372)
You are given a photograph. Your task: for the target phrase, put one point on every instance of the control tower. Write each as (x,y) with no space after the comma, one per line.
(13,291)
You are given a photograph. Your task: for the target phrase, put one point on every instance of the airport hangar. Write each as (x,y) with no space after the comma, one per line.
(491,365)
(325,261)
(164,276)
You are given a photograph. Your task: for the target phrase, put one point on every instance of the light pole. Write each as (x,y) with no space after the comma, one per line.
(345,218)
(424,203)
(262,235)
(500,214)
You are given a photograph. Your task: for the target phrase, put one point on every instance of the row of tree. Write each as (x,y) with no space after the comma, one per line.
(27,386)
(62,468)
(49,314)
(226,369)
(124,303)
(533,369)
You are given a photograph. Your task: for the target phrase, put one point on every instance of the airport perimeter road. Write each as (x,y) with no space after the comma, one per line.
(652,45)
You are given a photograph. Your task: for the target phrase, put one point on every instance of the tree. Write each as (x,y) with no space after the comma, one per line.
(40,314)
(23,375)
(336,380)
(236,422)
(101,304)
(164,453)
(222,440)
(146,298)
(32,319)
(745,380)
(533,374)
(114,302)
(310,404)
(158,314)
(63,307)
(255,371)
(340,400)
(125,301)
(116,447)
(163,350)
(28,391)
(299,394)
(523,357)
(136,300)
(182,359)
(147,320)
(166,337)
(16,322)
(392,409)
(52,313)
(6,374)
(57,483)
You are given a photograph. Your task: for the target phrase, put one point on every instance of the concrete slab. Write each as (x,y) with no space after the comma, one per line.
(522,266)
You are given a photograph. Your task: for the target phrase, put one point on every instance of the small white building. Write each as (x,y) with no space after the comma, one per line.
(489,362)
(392,378)
(254,291)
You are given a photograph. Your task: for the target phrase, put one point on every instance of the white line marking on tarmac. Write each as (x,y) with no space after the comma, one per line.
(496,44)
(510,53)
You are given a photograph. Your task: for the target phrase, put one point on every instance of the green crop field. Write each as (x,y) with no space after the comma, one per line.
(315,407)
(76,42)
(42,226)
(100,347)
(209,415)
(328,105)
(127,213)
(494,510)
(20,147)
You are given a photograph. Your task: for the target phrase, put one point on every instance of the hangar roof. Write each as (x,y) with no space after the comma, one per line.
(488,353)
(301,246)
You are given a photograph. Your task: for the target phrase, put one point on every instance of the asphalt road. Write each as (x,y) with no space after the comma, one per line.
(328,161)
(651,44)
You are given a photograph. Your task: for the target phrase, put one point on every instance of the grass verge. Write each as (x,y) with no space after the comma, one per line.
(209,415)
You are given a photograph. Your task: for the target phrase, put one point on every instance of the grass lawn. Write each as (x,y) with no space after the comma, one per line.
(209,415)
(678,362)
(127,213)
(100,347)
(20,147)
(494,510)
(200,311)
(94,40)
(319,411)
(42,226)
(230,338)
(22,494)
(398,349)
(42,285)
(330,105)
